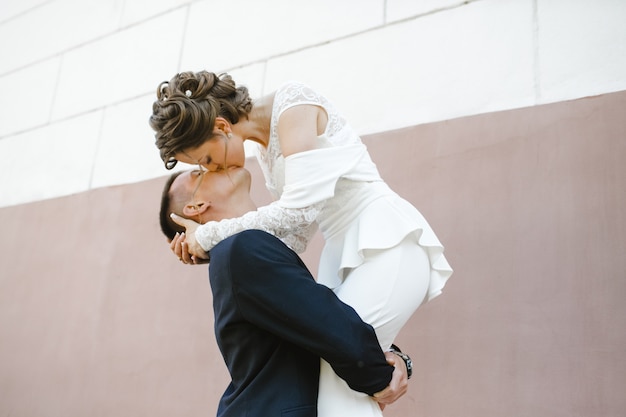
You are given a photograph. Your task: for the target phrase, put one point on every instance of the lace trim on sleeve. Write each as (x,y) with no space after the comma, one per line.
(296,93)
(294,225)
(298,242)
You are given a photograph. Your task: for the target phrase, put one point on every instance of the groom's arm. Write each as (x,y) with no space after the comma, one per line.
(275,291)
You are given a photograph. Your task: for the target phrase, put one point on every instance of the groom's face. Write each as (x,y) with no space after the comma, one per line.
(212,196)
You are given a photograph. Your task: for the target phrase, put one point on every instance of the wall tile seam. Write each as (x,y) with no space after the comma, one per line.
(96,150)
(55,90)
(73,116)
(183,40)
(536,55)
(374,28)
(461,3)
(99,38)
(24,12)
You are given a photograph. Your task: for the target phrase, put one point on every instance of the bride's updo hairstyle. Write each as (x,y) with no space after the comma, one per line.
(183,116)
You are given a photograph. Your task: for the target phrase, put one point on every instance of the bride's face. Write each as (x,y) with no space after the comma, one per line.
(215,154)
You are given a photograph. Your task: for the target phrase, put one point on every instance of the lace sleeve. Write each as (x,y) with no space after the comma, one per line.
(299,241)
(294,225)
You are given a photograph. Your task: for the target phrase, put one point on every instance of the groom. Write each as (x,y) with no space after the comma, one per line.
(272,320)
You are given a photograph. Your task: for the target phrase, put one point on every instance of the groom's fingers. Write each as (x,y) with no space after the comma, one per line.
(399,381)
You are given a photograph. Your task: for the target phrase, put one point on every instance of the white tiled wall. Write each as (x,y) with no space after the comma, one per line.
(77,77)
(27,97)
(582,48)
(126,151)
(467,60)
(232,33)
(54,27)
(49,161)
(120,66)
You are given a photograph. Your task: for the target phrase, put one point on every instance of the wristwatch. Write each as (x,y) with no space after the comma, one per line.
(406,358)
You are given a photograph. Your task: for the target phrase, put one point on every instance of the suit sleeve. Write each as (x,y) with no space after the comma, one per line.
(275,291)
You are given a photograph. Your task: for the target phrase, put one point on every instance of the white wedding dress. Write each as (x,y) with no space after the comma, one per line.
(380,254)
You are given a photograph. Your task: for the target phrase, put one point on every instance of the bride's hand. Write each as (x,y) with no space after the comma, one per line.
(185,246)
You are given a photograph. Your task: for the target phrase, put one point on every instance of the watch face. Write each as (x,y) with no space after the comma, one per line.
(407,361)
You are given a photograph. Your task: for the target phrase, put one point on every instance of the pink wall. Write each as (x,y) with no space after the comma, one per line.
(98,319)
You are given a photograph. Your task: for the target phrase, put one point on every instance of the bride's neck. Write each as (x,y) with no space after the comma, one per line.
(260,119)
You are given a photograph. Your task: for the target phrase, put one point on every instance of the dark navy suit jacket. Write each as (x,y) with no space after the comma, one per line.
(273,323)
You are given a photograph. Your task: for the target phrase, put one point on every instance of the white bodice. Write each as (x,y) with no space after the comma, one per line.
(303,182)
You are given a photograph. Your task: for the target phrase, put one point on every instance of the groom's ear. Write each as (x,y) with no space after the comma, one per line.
(195,208)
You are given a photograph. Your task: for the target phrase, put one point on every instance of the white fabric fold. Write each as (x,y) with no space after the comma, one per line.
(311,176)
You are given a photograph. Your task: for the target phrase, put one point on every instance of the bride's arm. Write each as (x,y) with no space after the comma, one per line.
(295,226)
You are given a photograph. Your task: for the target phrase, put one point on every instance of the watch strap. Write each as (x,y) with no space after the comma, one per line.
(406,358)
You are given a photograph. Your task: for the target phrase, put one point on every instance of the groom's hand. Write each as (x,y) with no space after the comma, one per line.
(399,382)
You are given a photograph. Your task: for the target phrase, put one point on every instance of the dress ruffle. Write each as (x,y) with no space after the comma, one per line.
(383,224)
